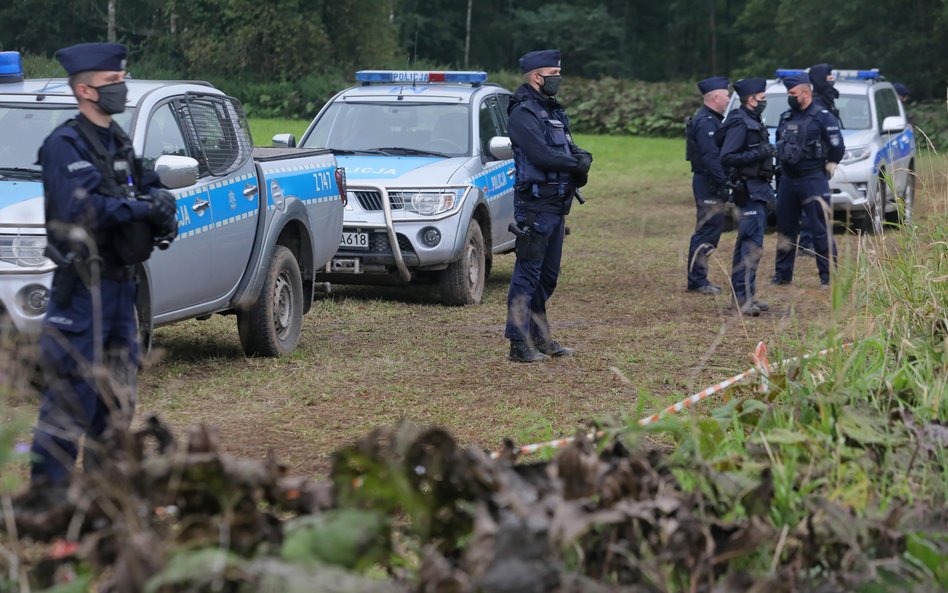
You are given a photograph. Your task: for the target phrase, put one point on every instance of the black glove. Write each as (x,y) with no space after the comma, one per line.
(723,193)
(164,209)
(585,160)
(767,150)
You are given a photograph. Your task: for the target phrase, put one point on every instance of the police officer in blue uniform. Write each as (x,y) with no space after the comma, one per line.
(708,182)
(103,215)
(825,94)
(549,169)
(748,156)
(809,148)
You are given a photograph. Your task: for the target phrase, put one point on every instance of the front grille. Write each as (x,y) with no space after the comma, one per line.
(379,243)
(371,201)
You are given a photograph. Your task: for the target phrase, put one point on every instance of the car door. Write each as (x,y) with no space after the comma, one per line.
(498,175)
(893,157)
(178,273)
(221,132)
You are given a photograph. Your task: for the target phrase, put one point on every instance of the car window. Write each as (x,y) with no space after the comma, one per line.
(487,122)
(438,127)
(220,132)
(853,110)
(503,100)
(163,136)
(23,130)
(887,105)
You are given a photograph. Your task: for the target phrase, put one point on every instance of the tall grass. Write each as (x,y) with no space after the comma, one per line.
(864,427)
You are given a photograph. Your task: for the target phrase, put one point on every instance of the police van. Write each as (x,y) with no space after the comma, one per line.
(878,168)
(430,179)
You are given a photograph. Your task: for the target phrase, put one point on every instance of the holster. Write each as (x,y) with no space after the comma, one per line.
(739,192)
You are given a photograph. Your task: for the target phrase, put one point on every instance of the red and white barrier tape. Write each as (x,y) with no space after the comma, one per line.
(761,368)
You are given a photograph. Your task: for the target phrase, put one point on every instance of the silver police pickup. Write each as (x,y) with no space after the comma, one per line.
(254,224)
(430,178)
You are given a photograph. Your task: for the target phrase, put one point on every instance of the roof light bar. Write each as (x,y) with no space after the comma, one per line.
(872,74)
(785,72)
(857,74)
(413,76)
(11,67)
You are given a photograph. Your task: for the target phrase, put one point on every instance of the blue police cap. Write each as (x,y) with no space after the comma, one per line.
(795,80)
(544,58)
(750,86)
(84,57)
(819,73)
(902,90)
(714,83)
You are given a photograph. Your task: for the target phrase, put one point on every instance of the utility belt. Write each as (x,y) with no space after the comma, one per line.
(797,173)
(73,271)
(545,190)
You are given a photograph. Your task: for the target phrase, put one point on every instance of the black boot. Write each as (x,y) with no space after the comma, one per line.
(521,351)
(553,348)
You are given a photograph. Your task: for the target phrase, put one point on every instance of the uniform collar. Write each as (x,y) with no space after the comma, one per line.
(720,116)
(549,102)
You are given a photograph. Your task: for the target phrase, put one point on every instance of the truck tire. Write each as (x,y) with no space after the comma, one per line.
(272,326)
(462,283)
(873,219)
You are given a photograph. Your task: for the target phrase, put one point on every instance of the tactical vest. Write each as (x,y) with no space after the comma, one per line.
(796,146)
(531,178)
(121,175)
(755,135)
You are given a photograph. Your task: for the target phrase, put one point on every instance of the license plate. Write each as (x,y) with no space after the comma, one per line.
(355,240)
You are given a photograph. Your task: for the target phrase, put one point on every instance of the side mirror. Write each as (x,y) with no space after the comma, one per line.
(176,171)
(500,148)
(892,124)
(284,140)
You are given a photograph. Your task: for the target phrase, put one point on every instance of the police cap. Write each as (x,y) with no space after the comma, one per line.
(544,58)
(714,83)
(84,57)
(750,86)
(795,80)
(902,90)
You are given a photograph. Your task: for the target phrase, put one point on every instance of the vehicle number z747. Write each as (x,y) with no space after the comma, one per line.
(355,240)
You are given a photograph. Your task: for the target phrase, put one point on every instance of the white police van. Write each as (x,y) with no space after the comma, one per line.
(878,167)
(430,179)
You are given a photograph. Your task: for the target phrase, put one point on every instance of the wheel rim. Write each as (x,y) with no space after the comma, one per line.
(473,266)
(909,198)
(878,207)
(282,305)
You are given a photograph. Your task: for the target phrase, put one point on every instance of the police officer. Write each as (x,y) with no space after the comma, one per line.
(549,169)
(708,182)
(824,94)
(103,215)
(747,154)
(809,148)
(902,91)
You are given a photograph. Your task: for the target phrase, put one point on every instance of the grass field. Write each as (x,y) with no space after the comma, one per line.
(369,356)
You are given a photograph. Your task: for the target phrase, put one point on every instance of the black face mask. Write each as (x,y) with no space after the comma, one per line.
(761,106)
(793,102)
(112,97)
(551,85)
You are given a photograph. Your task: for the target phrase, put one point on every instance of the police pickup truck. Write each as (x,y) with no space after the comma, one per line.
(430,178)
(254,224)
(878,166)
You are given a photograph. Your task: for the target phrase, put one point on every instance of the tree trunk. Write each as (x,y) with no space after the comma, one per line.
(467,36)
(112,21)
(714,39)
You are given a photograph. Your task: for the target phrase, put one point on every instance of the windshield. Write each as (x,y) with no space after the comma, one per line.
(23,129)
(853,110)
(436,129)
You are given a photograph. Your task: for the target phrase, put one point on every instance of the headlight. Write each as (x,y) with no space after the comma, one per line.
(856,154)
(428,203)
(23,250)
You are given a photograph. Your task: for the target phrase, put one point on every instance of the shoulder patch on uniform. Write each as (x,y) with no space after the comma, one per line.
(78,166)
(834,140)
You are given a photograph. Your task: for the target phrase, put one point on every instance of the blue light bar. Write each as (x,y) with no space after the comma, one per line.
(413,76)
(785,72)
(11,67)
(857,74)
